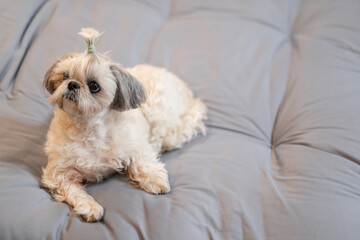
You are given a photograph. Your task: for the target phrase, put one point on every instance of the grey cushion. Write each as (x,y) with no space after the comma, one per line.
(281,80)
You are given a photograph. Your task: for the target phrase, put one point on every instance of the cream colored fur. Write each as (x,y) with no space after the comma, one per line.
(88,140)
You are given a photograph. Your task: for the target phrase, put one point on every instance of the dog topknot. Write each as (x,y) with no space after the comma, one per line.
(90,35)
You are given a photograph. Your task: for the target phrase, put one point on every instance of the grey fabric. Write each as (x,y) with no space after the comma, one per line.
(281,80)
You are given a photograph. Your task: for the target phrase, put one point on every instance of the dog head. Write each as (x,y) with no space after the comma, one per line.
(87,84)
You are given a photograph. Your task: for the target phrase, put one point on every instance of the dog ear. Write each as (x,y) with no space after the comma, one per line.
(48,84)
(130,93)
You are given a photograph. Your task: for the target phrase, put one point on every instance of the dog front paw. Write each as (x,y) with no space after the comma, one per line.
(156,183)
(152,177)
(157,186)
(90,211)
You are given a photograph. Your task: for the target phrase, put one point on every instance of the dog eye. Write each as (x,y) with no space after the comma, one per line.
(94,87)
(65,76)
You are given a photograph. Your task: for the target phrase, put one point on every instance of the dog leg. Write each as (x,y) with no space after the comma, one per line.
(149,175)
(65,186)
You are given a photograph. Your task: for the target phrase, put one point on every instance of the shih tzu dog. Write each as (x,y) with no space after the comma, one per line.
(109,119)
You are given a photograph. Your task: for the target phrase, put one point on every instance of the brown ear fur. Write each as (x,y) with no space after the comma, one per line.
(49,83)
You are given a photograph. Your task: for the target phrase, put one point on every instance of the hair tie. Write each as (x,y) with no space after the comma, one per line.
(91,48)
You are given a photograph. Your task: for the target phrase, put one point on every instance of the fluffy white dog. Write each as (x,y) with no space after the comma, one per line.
(109,119)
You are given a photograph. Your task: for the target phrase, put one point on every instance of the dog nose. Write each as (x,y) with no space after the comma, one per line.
(73,85)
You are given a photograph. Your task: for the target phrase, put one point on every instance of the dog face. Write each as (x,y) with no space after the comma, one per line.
(87,84)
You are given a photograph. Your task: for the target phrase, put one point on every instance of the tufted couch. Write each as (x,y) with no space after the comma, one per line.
(281,80)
